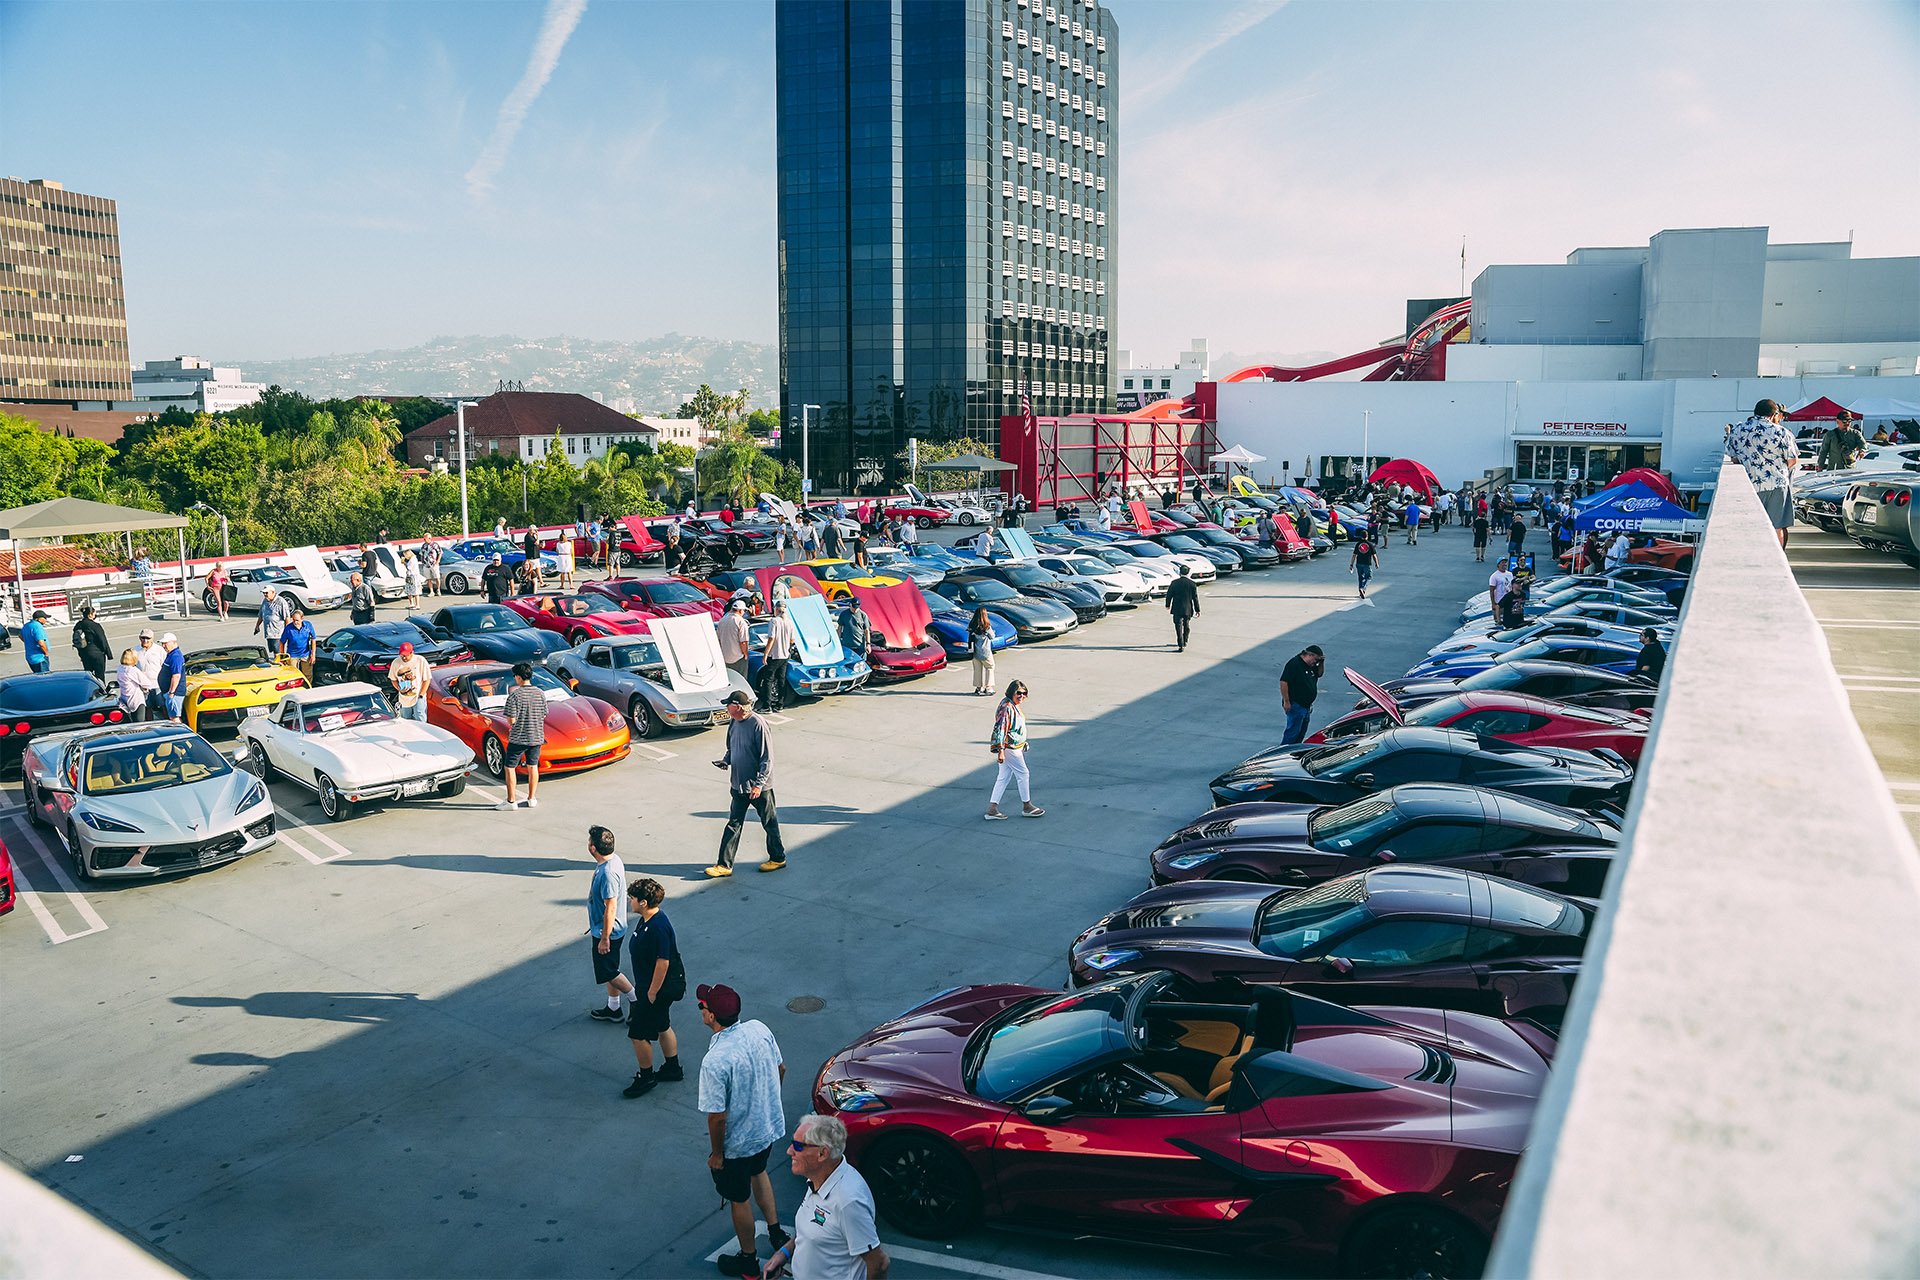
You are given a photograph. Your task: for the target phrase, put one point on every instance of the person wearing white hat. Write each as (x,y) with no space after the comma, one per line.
(173,675)
(736,639)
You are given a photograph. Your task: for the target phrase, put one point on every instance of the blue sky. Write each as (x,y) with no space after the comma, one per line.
(298,178)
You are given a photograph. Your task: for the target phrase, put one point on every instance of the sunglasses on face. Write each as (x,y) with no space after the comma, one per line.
(797,1146)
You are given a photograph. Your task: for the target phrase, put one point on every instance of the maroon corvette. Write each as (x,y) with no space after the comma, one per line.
(1377,1140)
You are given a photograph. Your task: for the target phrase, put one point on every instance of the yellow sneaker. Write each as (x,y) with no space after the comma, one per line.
(771,865)
(716,871)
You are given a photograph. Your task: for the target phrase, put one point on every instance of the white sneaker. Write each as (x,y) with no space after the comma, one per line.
(506,804)
(532,803)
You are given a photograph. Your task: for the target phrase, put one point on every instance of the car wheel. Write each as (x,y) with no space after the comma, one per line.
(923,1187)
(332,803)
(578,637)
(457,584)
(494,752)
(208,602)
(76,853)
(1240,875)
(257,763)
(640,716)
(1416,1240)
(448,790)
(293,602)
(966,519)
(736,545)
(925,522)
(32,802)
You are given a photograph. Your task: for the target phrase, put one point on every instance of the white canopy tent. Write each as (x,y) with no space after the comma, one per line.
(1238,456)
(1884,407)
(66,517)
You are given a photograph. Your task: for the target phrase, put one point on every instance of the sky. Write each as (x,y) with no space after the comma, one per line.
(300,178)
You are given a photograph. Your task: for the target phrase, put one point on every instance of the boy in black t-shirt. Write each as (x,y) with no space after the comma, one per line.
(659,979)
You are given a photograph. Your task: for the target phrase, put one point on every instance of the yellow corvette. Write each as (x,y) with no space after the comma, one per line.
(838,577)
(223,683)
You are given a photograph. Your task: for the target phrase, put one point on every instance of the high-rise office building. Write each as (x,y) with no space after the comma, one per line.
(947,175)
(63,310)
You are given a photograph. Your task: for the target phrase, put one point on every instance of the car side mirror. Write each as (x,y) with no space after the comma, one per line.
(1048,1108)
(58,782)
(1363,780)
(1385,855)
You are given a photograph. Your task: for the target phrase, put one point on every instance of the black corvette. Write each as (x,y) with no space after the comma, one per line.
(1570,682)
(1397,935)
(1356,767)
(1430,823)
(365,652)
(491,631)
(1030,617)
(48,702)
(1088,605)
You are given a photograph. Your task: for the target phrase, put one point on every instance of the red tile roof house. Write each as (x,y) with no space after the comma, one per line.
(522,424)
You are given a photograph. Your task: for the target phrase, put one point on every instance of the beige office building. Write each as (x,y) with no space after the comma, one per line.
(63,309)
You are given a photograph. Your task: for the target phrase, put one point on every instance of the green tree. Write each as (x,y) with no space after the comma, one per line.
(40,465)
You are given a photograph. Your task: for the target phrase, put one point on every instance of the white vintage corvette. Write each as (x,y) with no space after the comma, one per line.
(345,744)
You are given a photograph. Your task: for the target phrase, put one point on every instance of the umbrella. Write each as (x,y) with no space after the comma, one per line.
(1405,471)
(1648,477)
(968,462)
(1236,456)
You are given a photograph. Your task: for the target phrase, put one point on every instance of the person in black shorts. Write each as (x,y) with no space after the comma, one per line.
(659,979)
(1481,527)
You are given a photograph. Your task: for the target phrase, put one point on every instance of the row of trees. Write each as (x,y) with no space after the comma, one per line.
(290,471)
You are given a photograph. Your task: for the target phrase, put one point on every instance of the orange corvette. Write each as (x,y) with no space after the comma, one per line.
(468,699)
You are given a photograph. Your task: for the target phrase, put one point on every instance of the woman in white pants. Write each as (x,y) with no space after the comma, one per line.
(980,640)
(1009,745)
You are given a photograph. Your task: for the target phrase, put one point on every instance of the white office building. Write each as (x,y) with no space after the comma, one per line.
(1135,387)
(192,384)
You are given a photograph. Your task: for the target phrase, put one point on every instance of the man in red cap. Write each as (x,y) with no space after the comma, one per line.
(409,675)
(740,1092)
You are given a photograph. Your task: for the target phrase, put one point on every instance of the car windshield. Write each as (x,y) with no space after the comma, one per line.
(1180,542)
(1026,575)
(1302,924)
(1527,652)
(1089,566)
(938,603)
(990,591)
(1437,712)
(838,571)
(1044,1039)
(1517,904)
(633,657)
(54,692)
(1112,555)
(148,766)
(272,573)
(211,662)
(1504,677)
(674,593)
(1146,550)
(489,688)
(1214,537)
(486,619)
(577,606)
(1328,761)
(345,712)
(1358,823)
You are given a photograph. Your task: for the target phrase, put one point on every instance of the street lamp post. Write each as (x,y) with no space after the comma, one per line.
(806,471)
(1366,435)
(226,550)
(460,425)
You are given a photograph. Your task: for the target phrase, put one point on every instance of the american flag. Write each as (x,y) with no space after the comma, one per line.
(1027,419)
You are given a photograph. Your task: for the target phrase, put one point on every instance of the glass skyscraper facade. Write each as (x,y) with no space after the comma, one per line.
(947,173)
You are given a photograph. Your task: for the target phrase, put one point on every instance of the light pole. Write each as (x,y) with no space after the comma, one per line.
(226,551)
(806,472)
(1366,434)
(460,408)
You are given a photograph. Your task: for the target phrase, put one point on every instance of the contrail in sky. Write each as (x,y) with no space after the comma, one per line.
(562,17)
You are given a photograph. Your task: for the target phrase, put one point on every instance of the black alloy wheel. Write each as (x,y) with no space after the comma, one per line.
(256,763)
(923,1187)
(1417,1242)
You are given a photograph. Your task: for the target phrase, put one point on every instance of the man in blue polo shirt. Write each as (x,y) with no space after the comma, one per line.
(173,675)
(34,637)
(296,642)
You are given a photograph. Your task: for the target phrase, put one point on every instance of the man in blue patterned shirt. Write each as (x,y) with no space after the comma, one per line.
(1763,445)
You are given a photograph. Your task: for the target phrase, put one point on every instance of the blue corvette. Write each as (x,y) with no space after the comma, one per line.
(949,627)
(1587,651)
(941,558)
(819,665)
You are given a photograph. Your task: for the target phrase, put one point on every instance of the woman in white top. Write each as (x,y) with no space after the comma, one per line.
(416,578)
(563,558)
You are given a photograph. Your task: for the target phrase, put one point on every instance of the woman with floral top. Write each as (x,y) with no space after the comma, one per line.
(1009,747)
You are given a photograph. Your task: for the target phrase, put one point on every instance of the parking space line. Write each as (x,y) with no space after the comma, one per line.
(339,850)
(658,753)
(286,838)
(27,894)
(68,890)
(774,717)
(944,1261)
(1881,688)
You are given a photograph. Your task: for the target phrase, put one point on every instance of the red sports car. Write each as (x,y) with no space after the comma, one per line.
(657,597)
(634,545)
(468,699)
(1663,553)
(578,617)
(901,647)
(1496,713)
(923,517)
(1257,1122)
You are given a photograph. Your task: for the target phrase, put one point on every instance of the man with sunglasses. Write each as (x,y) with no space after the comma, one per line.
(834,1237)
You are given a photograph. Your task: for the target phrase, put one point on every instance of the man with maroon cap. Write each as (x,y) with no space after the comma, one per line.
(409,675)
(740,1081)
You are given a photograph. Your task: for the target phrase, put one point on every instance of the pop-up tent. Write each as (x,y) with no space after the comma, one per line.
(1624,509)
(1408,472)
(1819,410)
(1648,477)
(1238,456)
(68,517)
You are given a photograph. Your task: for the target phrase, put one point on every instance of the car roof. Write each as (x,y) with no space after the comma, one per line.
(328,692)
(1547,667)
(1420,891)
(114,735)
(1435,800)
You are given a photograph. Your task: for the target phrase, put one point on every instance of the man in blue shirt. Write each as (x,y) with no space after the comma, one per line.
(296,642)
(173,675)
(740,1082)
(34,636)
(607,921)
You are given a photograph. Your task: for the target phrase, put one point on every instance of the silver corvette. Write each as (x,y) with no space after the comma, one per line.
(659,686)
(141,800)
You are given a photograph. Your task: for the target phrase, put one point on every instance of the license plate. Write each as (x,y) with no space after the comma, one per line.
(418,787)
(1867,515)
(258,711)
(717,717)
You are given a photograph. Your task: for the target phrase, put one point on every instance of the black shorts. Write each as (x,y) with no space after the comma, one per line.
(734,1178)
(646,1019)
(605,967)
(519,753)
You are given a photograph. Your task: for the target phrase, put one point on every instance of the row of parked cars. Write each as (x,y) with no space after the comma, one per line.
(1871,502)
(1320,1035)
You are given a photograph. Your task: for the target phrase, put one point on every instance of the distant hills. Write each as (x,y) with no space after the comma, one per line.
(655,375)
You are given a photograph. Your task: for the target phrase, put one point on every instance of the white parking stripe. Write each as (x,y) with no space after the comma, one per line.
(23,887)
(286,838)
(1874,675)
(69,890)
(314,833)
(656,752)
(944,1261)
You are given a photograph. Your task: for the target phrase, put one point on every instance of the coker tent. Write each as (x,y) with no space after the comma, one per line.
(1624,509)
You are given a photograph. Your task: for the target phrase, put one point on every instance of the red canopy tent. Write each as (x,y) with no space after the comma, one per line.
(1821,410)
(1647,476)
(1408,472)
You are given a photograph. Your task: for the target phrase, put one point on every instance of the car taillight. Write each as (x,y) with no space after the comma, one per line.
(22,726)
(288,684)
(1903,497)
(96,718)
(210,694)
(378,666)
(115,716)
(5,729)
(1887,497)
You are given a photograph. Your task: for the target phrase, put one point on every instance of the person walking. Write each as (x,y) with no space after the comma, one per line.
(135,686)
(271,620)
(430,566)
(1562,534)
(563,555)
(360,599)
(217,580)
(834,1236)
(1009,747)
(90,643)
(1183,602)
(496,579)
(1652,662)
(749,765)
(908,535)
(1299,686)
(980,645)
(1413,523)
(780,541)
(296,643)
(1516,536)
(832,543)
(416,578)
(1366,553)
(781,640)
(173,676)
(856,630)
(736,636)
(596,532)
(1481,529)
(659,979)
(34,637)
(1840,446)
(526,712)
(740,1079)
(530,545)
(1764,446)
(409,675)
(607,923)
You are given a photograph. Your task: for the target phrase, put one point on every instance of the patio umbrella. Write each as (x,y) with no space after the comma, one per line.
(1408,472)
(1648,477)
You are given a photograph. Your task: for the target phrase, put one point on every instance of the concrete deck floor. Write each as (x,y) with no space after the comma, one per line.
(365,1051)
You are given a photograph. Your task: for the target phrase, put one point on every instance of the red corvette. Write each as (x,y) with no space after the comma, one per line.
(657,597)
(1236,1120)
(578,617)
(923,517)
(635,545)
(6,879)
(901,647)
(1494,713)
(468,699)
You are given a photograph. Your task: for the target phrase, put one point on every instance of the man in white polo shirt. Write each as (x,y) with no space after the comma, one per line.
(833,1234)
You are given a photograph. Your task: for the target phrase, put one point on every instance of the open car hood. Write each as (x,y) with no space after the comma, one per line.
(691,648)
(1375,694)
(819,639)
(899,613)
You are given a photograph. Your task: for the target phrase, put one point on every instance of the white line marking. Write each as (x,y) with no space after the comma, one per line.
(286,838)
(1870,626)
(944,1261)
(339,850)
(1873,675)
(72,891)
(12,809)
(1903,785)
(1908,808)
(774,717)
(1355,604)
(55,934)
(656,752)
(1881,688)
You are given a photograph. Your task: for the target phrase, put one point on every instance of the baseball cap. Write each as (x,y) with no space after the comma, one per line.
(169,638)
(739,698)
(406,648)
(146,633)
(722,1002)
(738,603)
(41,613)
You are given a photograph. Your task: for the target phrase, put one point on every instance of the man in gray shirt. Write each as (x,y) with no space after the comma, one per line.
(526,733)
(749,765)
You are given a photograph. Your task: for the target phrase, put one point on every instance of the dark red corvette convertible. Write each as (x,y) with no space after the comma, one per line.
(1379,1140)
(1511,717)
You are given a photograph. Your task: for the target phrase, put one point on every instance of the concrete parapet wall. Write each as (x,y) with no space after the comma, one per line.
(1738,1088)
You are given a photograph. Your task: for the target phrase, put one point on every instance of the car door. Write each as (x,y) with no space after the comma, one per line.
(1405,960)
(295,757)
(330,658)
(597,676)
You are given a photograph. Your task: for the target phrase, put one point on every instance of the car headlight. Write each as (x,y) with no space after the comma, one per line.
(855,1096)
(255,795)
(1188,861)
(615,722)
(100,822)
(1108,957)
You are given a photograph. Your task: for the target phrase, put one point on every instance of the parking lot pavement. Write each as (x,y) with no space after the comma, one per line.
(1868,604)
(365,1050)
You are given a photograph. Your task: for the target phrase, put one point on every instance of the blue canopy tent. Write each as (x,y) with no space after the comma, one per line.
(1625,509)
